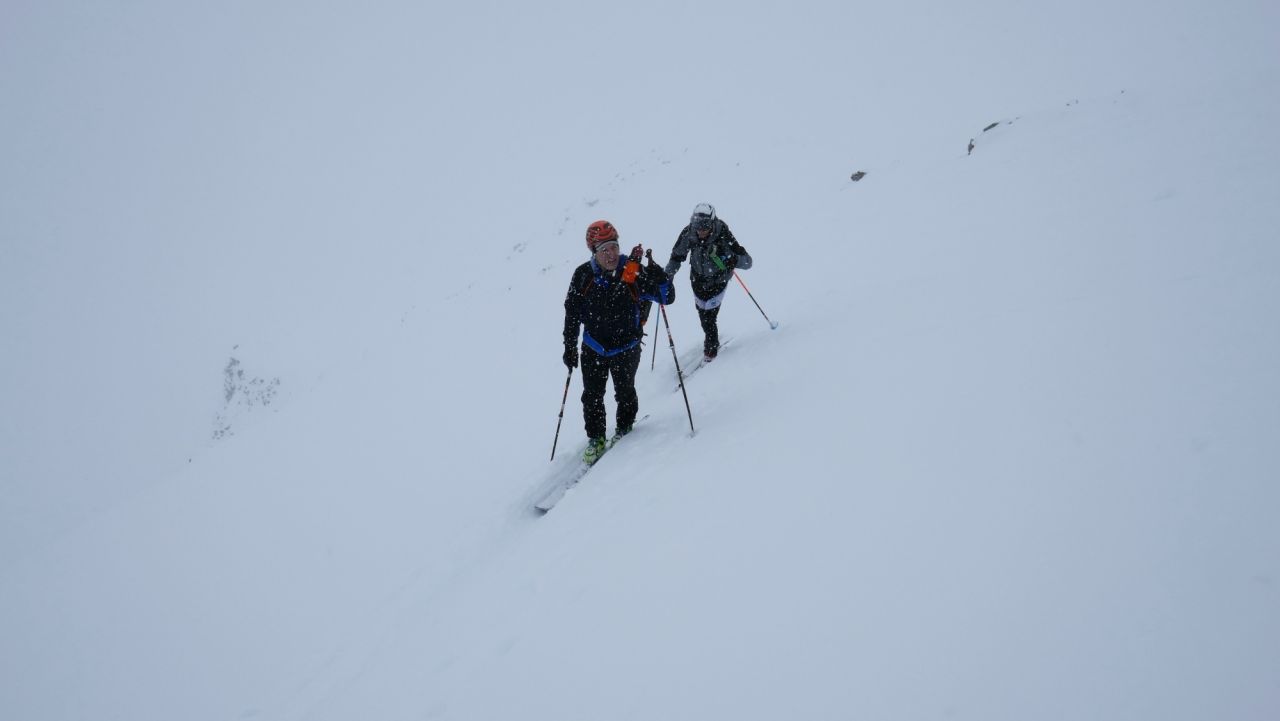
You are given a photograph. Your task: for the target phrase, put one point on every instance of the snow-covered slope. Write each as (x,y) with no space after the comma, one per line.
(1010,454)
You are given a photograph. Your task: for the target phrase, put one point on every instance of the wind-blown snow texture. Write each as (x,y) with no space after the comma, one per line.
(280,292)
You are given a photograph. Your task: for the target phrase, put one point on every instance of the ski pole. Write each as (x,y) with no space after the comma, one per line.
(679,373)
(562,402)
(654,361)
(772,325)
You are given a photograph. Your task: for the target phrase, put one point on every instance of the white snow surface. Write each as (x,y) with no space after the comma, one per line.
(281,295)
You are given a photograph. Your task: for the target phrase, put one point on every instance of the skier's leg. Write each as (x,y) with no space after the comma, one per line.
(711,342)
(595,374)
(623,369)
(708,294)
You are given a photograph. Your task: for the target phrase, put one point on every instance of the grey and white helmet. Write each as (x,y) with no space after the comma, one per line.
(704,216)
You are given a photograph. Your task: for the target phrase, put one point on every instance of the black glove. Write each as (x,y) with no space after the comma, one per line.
(724,258)
(571,356)
(735,251)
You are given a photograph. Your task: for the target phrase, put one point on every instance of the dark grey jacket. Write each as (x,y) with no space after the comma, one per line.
(702,255)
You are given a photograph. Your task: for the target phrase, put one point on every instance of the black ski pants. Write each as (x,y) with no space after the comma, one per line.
(596,370)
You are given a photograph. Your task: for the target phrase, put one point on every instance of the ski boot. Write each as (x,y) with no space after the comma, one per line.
(619,434)
(595,448)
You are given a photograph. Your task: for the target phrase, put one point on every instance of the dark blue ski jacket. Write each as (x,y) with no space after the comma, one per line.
(609,310)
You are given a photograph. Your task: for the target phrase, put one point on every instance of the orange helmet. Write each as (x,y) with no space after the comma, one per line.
(599,232)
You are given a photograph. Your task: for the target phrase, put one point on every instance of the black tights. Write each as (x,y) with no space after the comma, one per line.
(711,345)
(704,289)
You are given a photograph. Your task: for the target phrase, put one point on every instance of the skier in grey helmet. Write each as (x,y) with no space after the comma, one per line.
(713,254)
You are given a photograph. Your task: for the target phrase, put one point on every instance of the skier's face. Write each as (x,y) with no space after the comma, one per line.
(702,225)
(607,255)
